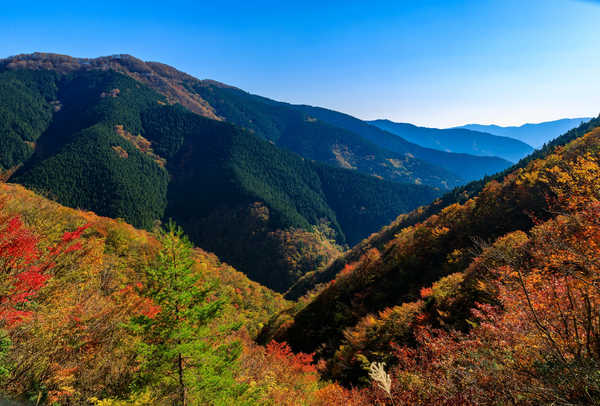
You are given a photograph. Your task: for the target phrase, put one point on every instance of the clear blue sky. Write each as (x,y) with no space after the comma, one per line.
(430,62)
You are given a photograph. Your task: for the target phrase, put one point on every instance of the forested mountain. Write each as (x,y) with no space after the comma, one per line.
(383,294)
(314,133)
(458,140)
(459,195)
(468,167)
(332,137)
(100,140)
(86,313)
(535,135)
(485,296)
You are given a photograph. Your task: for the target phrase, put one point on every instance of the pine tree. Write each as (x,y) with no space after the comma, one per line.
(175,349)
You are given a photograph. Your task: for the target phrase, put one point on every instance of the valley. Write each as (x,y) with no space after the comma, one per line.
(276,204)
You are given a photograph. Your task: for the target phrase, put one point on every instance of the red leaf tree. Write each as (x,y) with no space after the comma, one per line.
(25,266)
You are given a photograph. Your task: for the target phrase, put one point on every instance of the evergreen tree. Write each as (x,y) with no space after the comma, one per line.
(176,354)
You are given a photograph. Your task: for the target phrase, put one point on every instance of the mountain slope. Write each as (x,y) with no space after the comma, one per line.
(468,167)
(289,127)
(409,258)
(535,135)
(81,159)
(162,78)
(458,140)
(77,328)
(459,195)
(102,141)
(314,133)
(275,121)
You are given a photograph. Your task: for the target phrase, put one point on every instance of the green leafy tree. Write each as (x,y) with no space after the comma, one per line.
(177,353)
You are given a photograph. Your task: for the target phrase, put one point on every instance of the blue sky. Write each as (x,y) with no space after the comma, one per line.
(429,62)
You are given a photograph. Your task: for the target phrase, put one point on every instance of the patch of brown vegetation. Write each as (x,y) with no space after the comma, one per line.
(141,144)
(396,163)
(113,93)
(343,156)
(120,151)
(57,105)
(6,175)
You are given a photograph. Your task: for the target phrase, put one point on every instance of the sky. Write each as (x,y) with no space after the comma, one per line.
(436,63)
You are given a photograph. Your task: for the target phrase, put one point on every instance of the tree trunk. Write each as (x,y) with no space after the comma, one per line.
(181,384)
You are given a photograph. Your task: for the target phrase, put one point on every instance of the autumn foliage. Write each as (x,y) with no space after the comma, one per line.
(494,301)
(26,266)
(71,294)
(439,315)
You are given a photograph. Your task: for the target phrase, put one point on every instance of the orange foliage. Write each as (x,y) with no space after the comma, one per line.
(336,395)
(73,343)
(426,292)
(540,344)
(281,352)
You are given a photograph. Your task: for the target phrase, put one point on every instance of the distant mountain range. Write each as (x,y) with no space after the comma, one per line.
(535,135)
(458,140)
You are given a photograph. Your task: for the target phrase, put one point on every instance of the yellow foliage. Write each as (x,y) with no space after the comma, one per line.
(77,345)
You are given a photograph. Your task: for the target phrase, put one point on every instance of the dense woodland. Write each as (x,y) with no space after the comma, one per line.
(503,318)
(487,296)
(102,141)
(315,133)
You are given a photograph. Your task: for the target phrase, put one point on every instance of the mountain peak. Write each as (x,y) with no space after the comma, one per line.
(161,77)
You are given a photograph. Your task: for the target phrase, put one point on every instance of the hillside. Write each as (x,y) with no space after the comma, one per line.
(468,167)
(459,195)
(289,127)
(535,135)
(72,342)
(458,140)
(162,78)
(357,315)
(80,308)
(314,133)
(99,140)
(486,296)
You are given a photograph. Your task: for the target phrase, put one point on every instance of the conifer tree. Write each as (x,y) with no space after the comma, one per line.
(175,350)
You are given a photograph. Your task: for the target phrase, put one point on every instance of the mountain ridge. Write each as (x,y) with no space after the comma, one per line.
(458,140)
(460,195)
(351,146)
(366,302)
(534,134)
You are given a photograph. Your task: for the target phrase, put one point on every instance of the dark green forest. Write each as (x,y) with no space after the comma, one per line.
(101,141)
